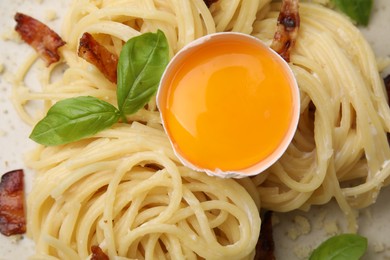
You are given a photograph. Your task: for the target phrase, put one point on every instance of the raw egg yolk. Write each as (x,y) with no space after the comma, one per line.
(228,105)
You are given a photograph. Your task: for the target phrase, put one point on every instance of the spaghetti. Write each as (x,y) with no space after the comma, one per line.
(125,191)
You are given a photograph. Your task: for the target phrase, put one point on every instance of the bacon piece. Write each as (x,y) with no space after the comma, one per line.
(387,85)
(98,55)
(209,2)
(265,245)
(12,219)
(287,28)
(98,254)
(39,36)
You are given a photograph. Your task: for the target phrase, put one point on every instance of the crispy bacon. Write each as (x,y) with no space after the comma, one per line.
(39,36)
(98,254)
(265,245)
(12,219)
(95,53)
(209,2)
(387,85)
(287,28)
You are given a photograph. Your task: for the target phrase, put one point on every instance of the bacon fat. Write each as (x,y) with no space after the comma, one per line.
(12,216)
(287,28)
(39,36)
(96,54)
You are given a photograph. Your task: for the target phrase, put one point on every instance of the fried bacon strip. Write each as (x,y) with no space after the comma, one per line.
(98,254)
(287,28)
(39,36)
(98,55)
(265,245)
(387,85)
(209,2)
(12,218)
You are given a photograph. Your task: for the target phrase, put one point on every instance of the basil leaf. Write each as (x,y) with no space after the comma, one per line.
(357,10)
(73,119)
(141,64)
(341,247)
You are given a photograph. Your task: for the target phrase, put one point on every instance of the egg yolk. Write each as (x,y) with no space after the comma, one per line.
(228,105)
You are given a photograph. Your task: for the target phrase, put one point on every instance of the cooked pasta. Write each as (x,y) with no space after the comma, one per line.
(125,191)
(340,149)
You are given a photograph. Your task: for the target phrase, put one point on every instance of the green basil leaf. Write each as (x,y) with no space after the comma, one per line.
(73,119)
(341,247)
(358,10)
(141,64)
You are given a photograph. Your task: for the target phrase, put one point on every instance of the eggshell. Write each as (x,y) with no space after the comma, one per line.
(259,167)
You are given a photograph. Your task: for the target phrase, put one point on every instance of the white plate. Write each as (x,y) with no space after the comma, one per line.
(14,141)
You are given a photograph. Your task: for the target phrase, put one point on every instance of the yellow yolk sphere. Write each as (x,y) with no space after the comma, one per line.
(228,105)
